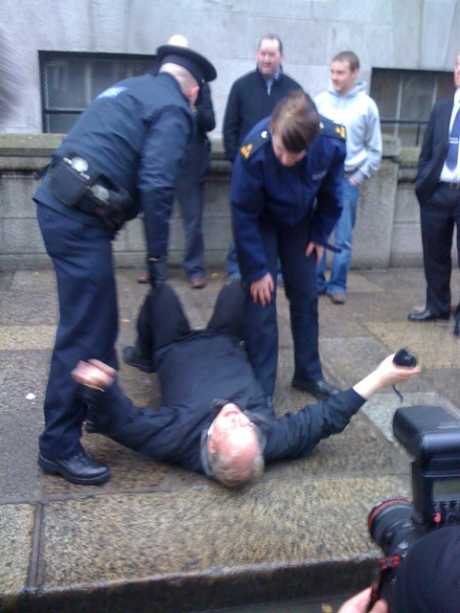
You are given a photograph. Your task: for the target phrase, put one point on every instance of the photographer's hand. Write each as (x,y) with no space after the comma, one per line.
(359,603)
(386,373)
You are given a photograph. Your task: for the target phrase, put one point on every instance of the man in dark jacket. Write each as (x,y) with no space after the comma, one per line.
(252,98)
(190,188)
(214,417)
(437,186)
(123,154)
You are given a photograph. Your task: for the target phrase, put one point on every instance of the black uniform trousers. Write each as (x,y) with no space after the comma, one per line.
(162,320)
(288,243)
(439,215)
(88,321)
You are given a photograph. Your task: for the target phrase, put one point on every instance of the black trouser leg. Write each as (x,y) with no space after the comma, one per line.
(168,320)
(228,314)
(437,221)
(144,341)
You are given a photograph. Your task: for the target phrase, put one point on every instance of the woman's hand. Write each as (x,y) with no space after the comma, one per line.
(262,290)
(319,249)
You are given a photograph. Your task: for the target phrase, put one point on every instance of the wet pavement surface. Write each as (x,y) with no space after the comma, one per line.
(156,538)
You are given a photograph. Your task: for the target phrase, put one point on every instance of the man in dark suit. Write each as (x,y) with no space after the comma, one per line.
(214,416)
(437,187)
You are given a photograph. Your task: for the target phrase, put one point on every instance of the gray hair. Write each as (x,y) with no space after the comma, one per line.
(224,470)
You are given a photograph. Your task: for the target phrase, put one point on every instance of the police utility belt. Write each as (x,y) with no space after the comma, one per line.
(72,182)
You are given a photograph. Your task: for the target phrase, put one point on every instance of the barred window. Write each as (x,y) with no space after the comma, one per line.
(70,81)
(405,99)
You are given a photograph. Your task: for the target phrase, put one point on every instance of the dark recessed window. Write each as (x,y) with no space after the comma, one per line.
(70,81)
(405,99)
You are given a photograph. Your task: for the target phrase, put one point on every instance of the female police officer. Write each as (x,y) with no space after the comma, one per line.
(285,202)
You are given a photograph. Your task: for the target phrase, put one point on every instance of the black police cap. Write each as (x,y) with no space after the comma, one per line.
(194,62)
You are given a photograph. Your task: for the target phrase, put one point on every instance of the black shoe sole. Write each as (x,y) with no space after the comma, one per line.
(428,319)
(90,427)
(304,388)
(144,365)
(51,468)
(147,368)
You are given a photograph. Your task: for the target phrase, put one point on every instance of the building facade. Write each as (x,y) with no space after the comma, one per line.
(66,52)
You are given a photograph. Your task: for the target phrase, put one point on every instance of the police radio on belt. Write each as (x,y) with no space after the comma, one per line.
(75,184)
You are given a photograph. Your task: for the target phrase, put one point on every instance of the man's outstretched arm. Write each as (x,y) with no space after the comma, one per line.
(296,434)
(148,431)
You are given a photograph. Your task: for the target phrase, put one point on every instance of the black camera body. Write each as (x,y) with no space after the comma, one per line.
(431,435)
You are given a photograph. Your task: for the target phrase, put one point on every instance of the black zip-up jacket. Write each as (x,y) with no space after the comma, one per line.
(194,373)
(248,103)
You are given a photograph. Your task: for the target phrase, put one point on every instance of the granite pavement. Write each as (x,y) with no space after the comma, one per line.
(156,538)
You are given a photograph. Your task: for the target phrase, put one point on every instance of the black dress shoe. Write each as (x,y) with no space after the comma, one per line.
(320,388)
(79,468)
(133,357)
(426,315)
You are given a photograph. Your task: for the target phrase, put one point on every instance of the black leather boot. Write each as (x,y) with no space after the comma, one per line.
(80,468)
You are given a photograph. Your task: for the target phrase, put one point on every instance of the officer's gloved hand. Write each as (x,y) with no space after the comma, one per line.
(158,272)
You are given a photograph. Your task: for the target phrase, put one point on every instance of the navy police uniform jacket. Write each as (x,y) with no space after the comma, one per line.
(194,372)
(135,135)
(262,186)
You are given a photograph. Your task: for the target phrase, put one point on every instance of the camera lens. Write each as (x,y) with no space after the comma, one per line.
(390,524)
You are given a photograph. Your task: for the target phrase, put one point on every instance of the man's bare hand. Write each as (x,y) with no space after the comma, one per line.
(391,374)
(94,374)
(386,373)
(319,249)
(262,290)
(359,603)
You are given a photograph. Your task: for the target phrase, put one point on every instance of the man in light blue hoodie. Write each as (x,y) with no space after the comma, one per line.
(346,103)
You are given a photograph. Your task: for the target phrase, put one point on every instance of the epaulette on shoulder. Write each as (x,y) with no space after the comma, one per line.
(334,130)
(250,146)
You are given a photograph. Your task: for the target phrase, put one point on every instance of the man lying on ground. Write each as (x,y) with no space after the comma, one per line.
(214,417)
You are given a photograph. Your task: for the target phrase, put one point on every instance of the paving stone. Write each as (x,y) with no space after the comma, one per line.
(154,521)
(26,338)
(397,279)
(34,281)
(16,526)
(22,373)
(131,472)
(432,342)
(447,382)
(351,359)
(378,306)
(381,408)
(21,421)
(275,522)
(359,283)
(40,308)
(6,279)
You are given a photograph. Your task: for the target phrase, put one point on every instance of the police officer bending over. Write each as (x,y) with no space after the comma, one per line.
(122,155)
(286,198)
(214,417)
